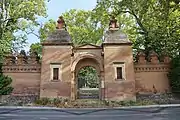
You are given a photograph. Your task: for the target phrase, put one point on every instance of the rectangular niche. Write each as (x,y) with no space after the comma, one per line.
(119,71)
(56,71)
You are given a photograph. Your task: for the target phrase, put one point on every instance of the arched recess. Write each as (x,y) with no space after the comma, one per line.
(87,56)
(81,61)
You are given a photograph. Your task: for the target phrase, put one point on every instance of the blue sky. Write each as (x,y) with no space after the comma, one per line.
(57,7)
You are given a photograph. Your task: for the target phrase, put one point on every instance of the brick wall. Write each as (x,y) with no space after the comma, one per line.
(60,54)
(151,73)
(119,89)
(25,72)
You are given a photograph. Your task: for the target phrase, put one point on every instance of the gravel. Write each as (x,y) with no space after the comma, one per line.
(167,98)
(18,100)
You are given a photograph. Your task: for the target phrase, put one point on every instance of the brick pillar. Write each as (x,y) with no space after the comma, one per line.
(73,95)
(102,86)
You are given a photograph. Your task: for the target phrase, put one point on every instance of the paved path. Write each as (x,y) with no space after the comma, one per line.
(152,113)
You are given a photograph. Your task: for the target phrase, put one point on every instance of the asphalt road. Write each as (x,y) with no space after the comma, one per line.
(163,113)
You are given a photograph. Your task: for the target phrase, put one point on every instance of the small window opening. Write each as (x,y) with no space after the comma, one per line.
(55,73)
(119,73)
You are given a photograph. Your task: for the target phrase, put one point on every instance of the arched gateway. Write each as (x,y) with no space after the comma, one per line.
(62,61)
(82,60)
(57,74)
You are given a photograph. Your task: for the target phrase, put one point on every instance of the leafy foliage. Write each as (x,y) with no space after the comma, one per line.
(85,27)
(174,75)
(82,27)
(149,24)
(37,48)
(47,28)
(157,22)
(17,19)
(5,87)
(87,77)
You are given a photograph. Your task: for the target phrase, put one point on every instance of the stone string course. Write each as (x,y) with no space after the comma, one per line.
(151,68)
(21,68)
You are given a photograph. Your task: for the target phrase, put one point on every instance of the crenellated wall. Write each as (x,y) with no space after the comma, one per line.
(151,73)
(25,72)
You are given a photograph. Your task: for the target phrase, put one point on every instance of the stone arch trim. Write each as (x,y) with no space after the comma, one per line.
(74,65)
(86,56)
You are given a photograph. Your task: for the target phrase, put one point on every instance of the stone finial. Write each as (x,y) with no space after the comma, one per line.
(9,59)
(141,58)
(153,57)
(21,59)
(113,25)
(61,23)
(33,58)
(166,59)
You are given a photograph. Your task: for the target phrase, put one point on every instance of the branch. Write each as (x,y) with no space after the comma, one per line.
(31,32)
(139,22)
(136,17)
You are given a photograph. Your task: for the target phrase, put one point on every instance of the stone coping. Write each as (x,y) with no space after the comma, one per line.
(56,43)
(21,68)
(151,67)
(121,44)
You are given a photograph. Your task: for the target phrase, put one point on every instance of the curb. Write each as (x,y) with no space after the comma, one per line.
(54,108)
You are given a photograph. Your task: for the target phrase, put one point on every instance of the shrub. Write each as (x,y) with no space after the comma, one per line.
(43,101)
(174,74)
(57,102)
(145,102)
(106,102)
(5,87)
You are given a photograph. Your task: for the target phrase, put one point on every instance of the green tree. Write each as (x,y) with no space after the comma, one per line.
(36,47)
(88,77)
(79,25)
(44,30)
(82,27)
(5,87)
(17,19)
(85,27)
(174,74)
(157,22)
